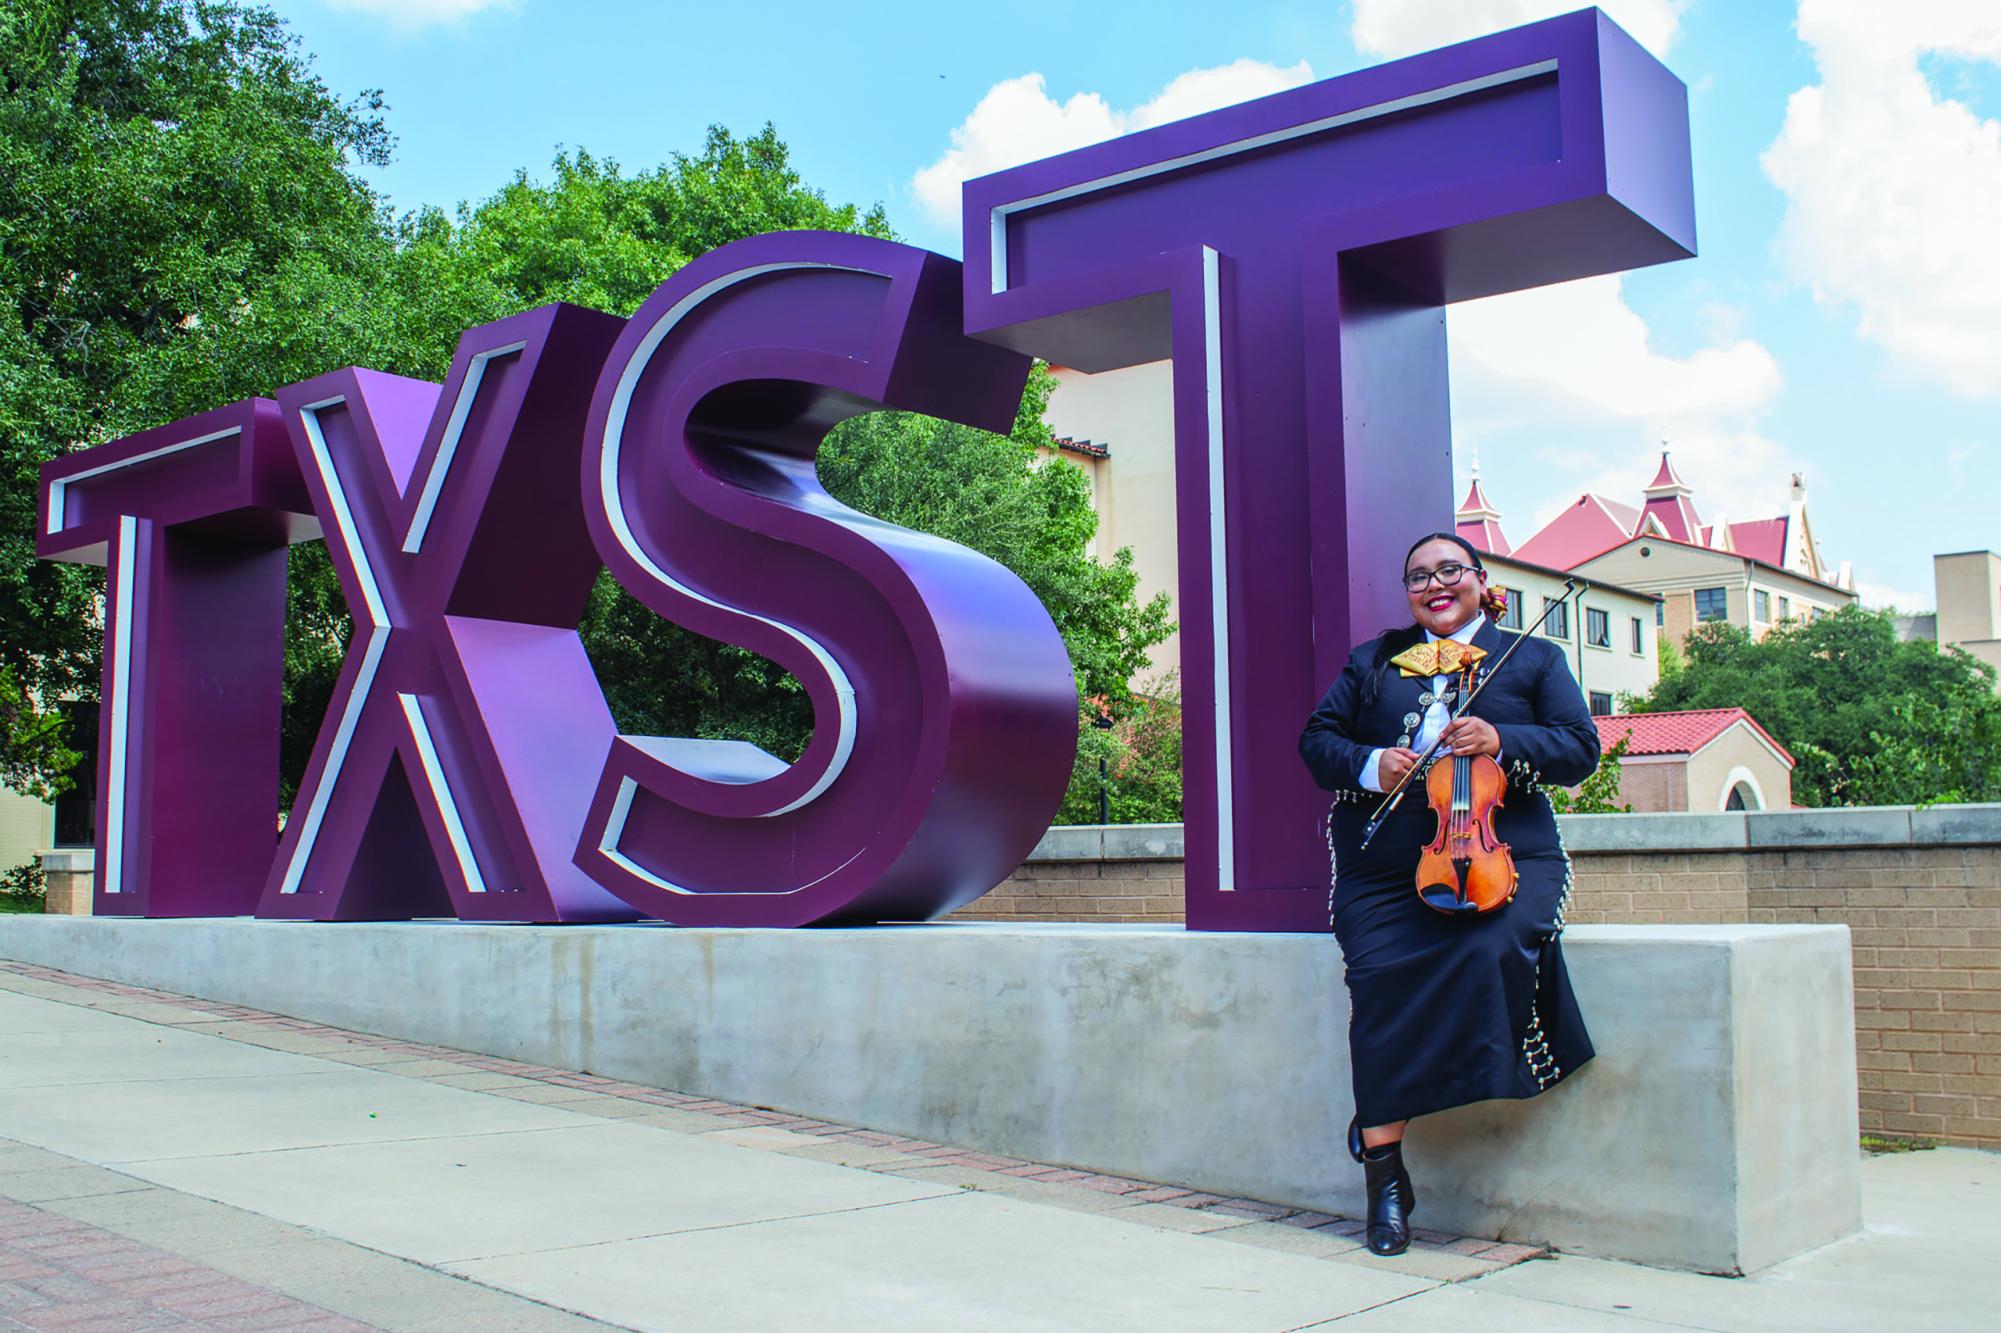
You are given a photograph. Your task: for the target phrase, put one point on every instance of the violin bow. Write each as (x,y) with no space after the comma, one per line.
(1396,793)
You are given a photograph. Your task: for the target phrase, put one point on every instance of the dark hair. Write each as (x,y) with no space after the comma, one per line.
(1472,555)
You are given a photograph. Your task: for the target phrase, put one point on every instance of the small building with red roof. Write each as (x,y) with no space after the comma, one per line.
(1701,760)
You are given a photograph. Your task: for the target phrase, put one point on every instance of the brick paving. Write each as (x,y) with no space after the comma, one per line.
(237,1023)
(57,1273)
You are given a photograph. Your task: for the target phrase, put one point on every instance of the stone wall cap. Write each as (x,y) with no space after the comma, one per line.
(1956,823)
(69,860)
(1071,842)
(1110,842)
(1677,831)
(1654,832)
(1856,826)
(1143,842)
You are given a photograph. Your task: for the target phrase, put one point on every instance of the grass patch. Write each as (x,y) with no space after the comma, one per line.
(19,902)
(1878,1144)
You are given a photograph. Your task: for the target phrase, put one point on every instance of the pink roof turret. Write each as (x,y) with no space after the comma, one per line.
(1669,506)
(1479,522)
(1667,481)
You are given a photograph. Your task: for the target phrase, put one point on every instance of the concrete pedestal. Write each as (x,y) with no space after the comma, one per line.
(1715,1131)
(70,881)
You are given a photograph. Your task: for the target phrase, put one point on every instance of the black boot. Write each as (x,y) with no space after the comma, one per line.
(1391,1198)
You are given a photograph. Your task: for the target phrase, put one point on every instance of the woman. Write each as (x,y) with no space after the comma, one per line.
(1447,1008)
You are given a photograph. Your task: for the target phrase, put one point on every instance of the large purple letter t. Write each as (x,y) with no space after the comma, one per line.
(1294,256)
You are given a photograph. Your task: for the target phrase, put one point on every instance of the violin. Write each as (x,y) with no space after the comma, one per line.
(1465,868)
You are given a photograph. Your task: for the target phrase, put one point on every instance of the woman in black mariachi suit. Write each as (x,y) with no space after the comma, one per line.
(1447,1008)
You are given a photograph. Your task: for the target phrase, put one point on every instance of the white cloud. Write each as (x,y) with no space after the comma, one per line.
(1893,191)
(1018,121)
(1576,359)
(410,15)
(1878,595)
(1387,28)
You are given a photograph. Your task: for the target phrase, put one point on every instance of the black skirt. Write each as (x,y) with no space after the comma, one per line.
(1448,1010)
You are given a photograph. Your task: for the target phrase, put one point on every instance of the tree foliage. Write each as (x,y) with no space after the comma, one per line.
(1599,793)
(31,743)
(1128,772)
(1870,719)
(181,226)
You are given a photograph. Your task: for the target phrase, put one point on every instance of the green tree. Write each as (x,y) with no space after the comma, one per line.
(179,227)
(31,743)
(594,235)
(1130,771)
(1869,718)
(1599,793)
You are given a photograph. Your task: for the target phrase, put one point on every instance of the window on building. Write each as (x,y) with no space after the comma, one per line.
(1763,601)
(1511,618)
(1660,614)
(1601,704)
(1712,604)
(1785,608)
(1597,627)
(76,809)
(1639,637)
(1558,624)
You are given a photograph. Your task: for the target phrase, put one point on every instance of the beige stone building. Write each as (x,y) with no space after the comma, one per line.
(1608,632)
(1754,574)
(1702,760)
(1119,427)
(27,828)
(1968,584)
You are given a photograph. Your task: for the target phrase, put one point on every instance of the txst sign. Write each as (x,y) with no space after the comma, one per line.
(1292,255)
(468,764)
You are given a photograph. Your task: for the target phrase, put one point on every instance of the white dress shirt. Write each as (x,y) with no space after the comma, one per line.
(1435,717)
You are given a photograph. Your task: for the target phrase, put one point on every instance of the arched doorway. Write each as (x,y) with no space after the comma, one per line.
(1741,791)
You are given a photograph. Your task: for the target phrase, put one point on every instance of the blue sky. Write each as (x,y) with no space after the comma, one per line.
(1844,318)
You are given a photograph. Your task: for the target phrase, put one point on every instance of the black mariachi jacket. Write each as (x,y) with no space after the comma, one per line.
(1547,736)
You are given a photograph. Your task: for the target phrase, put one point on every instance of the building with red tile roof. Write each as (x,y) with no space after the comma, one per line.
(1700,759)
(1756,574)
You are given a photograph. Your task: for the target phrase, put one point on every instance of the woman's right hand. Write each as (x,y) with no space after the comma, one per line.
(1393,765)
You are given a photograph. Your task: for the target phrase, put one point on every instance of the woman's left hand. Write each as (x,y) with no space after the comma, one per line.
(1472,735)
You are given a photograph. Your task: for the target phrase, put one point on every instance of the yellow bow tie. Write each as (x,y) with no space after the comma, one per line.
(1443,657)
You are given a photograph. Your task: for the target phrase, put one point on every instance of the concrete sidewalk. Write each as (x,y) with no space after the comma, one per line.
(176,1163)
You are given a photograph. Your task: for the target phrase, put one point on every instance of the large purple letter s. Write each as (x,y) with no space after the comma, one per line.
(945,716)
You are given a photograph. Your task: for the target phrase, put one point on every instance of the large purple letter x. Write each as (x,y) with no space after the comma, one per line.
(453,520)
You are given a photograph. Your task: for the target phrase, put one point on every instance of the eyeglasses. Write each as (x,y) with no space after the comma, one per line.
(1448,575)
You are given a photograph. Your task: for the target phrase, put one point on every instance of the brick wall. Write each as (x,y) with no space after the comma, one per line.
(1920,892)
(1654,785)
(1927,936)
(1084,891)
